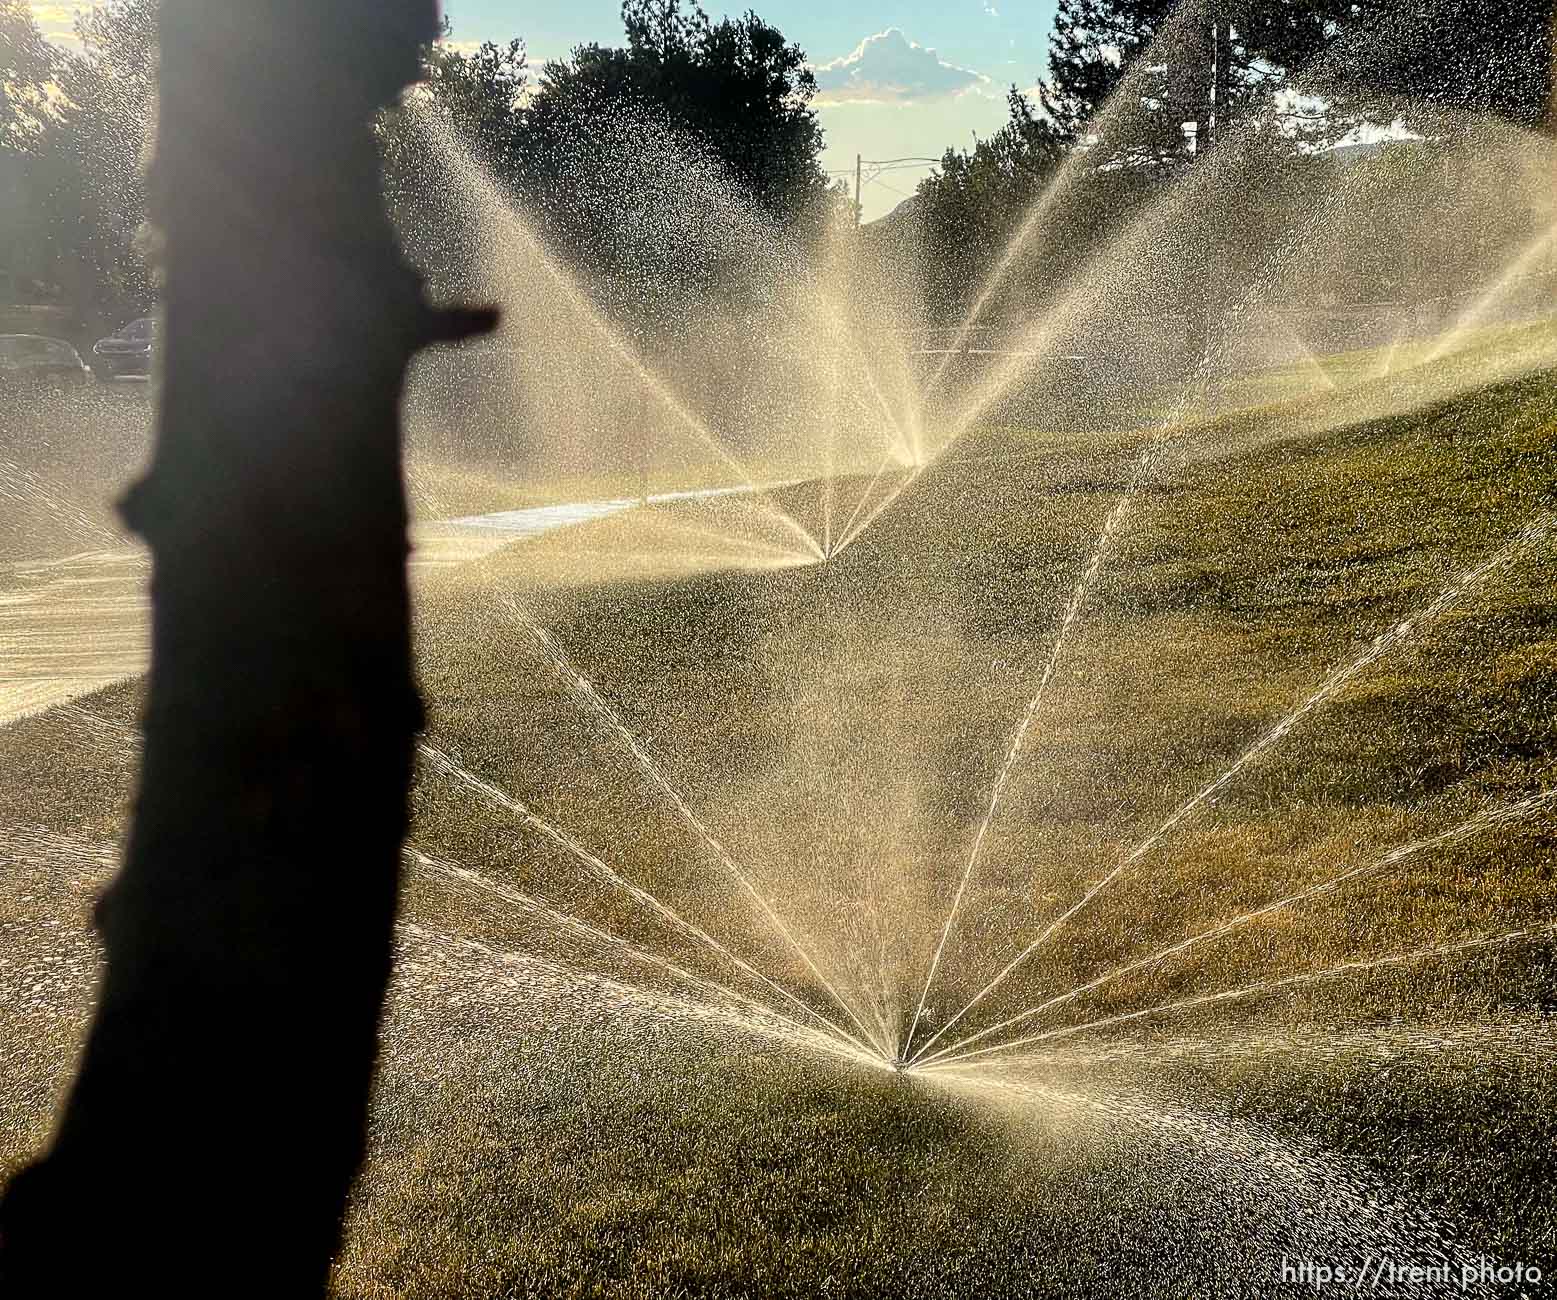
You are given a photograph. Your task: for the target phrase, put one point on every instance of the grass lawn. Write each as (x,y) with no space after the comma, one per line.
(560,1113)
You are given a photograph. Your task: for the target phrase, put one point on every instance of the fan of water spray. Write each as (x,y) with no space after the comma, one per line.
(1038,782)
(1121,309)
(713,350)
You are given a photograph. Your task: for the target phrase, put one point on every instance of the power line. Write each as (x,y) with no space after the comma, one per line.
(880,165)
(849,171)
(885,164)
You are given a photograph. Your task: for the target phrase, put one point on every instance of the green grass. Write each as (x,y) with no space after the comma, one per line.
(838,727)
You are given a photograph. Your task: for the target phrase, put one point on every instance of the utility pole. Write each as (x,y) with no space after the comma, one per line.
(1221,80)
(884,164)
(1208,83)
(1216,121)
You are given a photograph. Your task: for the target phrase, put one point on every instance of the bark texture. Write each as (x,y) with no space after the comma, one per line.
(217,1118)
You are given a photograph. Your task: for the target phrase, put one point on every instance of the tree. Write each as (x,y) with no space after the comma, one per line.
(482,92)
(1159,64)
(217,1118)
(1126,76)
(28,66)
(478,95)
(967,211)
(1456,57)
(736,86)
(87,155)
(678,177)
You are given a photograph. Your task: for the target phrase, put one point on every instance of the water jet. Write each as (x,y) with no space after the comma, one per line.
(1091,757)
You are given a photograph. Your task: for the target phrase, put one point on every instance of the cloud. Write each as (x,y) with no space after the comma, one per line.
(58,21)
(888,68)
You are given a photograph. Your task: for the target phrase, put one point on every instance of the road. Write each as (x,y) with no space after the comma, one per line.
(72,626)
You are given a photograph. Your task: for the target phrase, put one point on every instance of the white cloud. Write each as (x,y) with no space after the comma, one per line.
(58,21)
(888,68)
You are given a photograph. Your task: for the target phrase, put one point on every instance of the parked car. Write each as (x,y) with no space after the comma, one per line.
(128,352)
(34,361)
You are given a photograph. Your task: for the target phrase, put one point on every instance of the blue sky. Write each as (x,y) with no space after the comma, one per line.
(908,79)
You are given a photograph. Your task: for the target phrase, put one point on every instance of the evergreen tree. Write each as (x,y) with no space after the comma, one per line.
(1449,57)
(1126,76)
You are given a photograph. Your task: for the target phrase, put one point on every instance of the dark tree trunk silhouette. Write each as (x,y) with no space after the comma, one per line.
(217,1119)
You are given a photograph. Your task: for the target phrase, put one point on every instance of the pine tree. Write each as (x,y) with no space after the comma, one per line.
(1448,58)
(1129,75)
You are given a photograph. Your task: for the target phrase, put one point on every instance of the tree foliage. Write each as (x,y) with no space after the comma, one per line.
(1457,57)
(967,211)
(483,94)
(736,85)
(80,125)
(613,152)
(609,139)
(105,136)
(479,95)
(1126,75)
(28,66)
(602,150)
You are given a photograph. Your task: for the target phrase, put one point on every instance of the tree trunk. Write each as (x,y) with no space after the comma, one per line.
(217,1119)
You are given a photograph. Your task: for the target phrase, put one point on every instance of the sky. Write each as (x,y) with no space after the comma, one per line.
(904,80)
(908,80)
